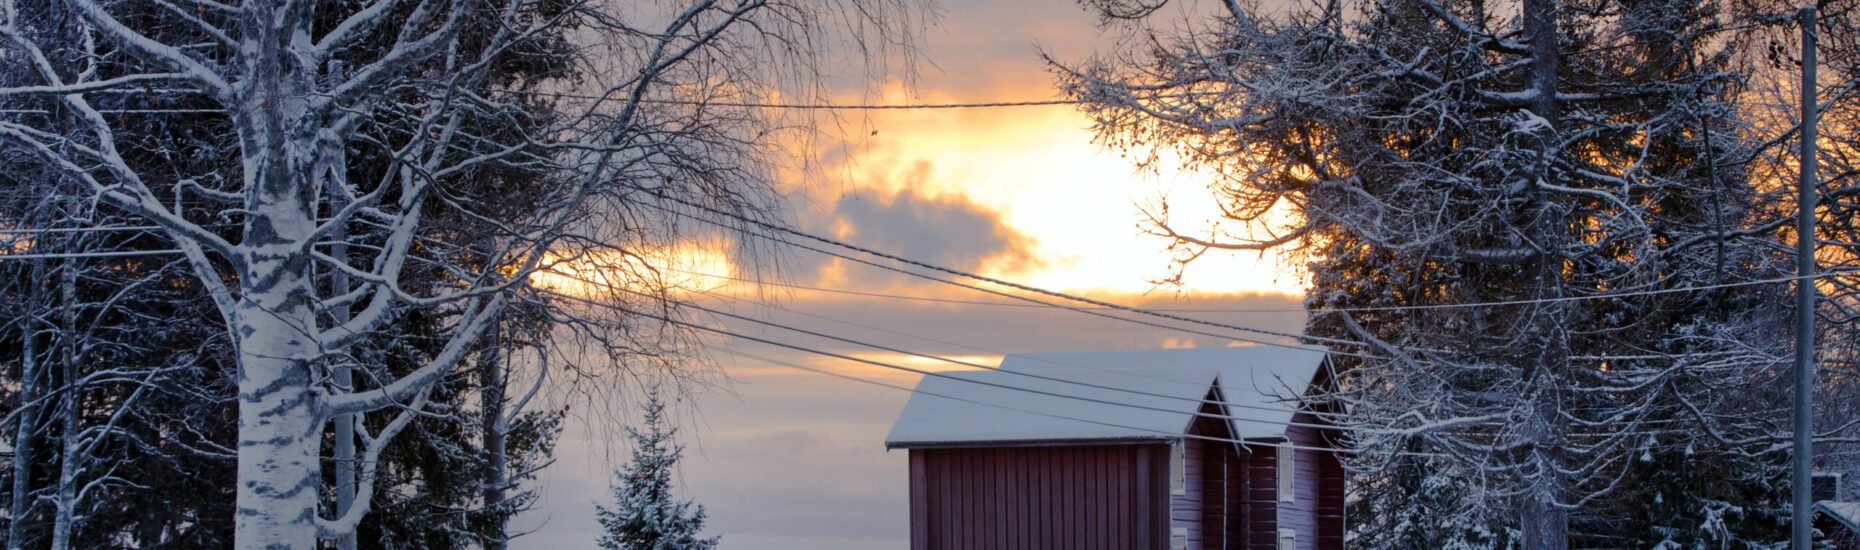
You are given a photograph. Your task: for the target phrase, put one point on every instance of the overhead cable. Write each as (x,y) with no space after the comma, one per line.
(1243,442)
(961,363)
(882,364)
(1087,311)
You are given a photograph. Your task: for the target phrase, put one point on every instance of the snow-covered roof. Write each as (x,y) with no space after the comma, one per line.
(1848,513)
(1088,395)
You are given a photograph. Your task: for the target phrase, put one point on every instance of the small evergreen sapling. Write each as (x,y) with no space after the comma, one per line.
(644,516)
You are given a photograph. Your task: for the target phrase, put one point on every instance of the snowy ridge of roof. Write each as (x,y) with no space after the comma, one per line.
(1848,513)
(1261,384)
(955,408)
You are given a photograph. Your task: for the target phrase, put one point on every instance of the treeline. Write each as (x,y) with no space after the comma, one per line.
(1551,240)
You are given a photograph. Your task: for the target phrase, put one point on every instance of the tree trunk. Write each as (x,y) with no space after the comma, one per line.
(70,401)
(494,447)
(343,450)
(278,421)
(1545,523)
(275,320)
(25,443)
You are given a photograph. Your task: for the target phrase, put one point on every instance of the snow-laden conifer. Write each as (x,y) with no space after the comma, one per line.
(1529,227)
(645,514)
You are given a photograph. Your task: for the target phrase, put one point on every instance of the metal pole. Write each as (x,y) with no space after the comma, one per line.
(1805,294)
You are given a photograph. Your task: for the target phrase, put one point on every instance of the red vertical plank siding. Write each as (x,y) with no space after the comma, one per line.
(1182,507)
(1159,514)
(1100,499)
(920,498)
(984,500)
(937,471)
(1202,469)
(1141,500)
(1317,512)
(1106,497)
(1117,496)
(1236,521)
(1082,490)
(1010,493)
(966,497)
(1009,500)
(1061,470)
(1330,502)
(1159,497)
(1080,518)
(1120,500)
(1042,508)
(1076,517)
(1107,493)
(986,526)
(1213,496)
(1262,498)
(1031,502)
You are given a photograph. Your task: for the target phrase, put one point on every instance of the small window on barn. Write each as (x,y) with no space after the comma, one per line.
(1825,486)
(1288,539)
(1287,472)
(1178,475)
(1178,538)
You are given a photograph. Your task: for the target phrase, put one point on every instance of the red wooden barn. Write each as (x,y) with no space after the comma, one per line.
(1136,449)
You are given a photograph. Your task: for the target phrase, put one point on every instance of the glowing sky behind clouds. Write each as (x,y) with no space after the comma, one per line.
(1036,168)
(795,460)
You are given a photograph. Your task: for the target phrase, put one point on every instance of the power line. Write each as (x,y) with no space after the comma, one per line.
(844,376)
(958,362)
(47,230)
(817,106)
(1030,303)
(883,364)
(922,372)
(936,340)
(1153,312)
(930,299)
(1087,311)
(84,255)
(121,111)
(1119,307)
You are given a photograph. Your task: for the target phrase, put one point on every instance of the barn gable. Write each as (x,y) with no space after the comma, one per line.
(1107,395)
(1005,407)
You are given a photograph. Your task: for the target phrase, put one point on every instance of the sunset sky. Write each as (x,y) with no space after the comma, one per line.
(785,458)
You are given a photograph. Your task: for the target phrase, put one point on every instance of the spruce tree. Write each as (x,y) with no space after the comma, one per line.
(644,515)
(1509,212)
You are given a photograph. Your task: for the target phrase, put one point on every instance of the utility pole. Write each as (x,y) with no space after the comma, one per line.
(1805,294)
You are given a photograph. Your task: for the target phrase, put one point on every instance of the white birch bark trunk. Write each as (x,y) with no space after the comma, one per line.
(280,417)
(279,424)
(278,427)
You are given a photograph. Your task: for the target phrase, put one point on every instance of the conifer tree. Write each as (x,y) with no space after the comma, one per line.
(1510,212)
(644,515)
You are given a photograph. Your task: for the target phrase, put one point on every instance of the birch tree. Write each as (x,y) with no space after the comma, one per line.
(669,115)
(1507,208)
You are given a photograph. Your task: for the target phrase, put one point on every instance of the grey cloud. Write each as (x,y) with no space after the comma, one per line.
(945,229)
